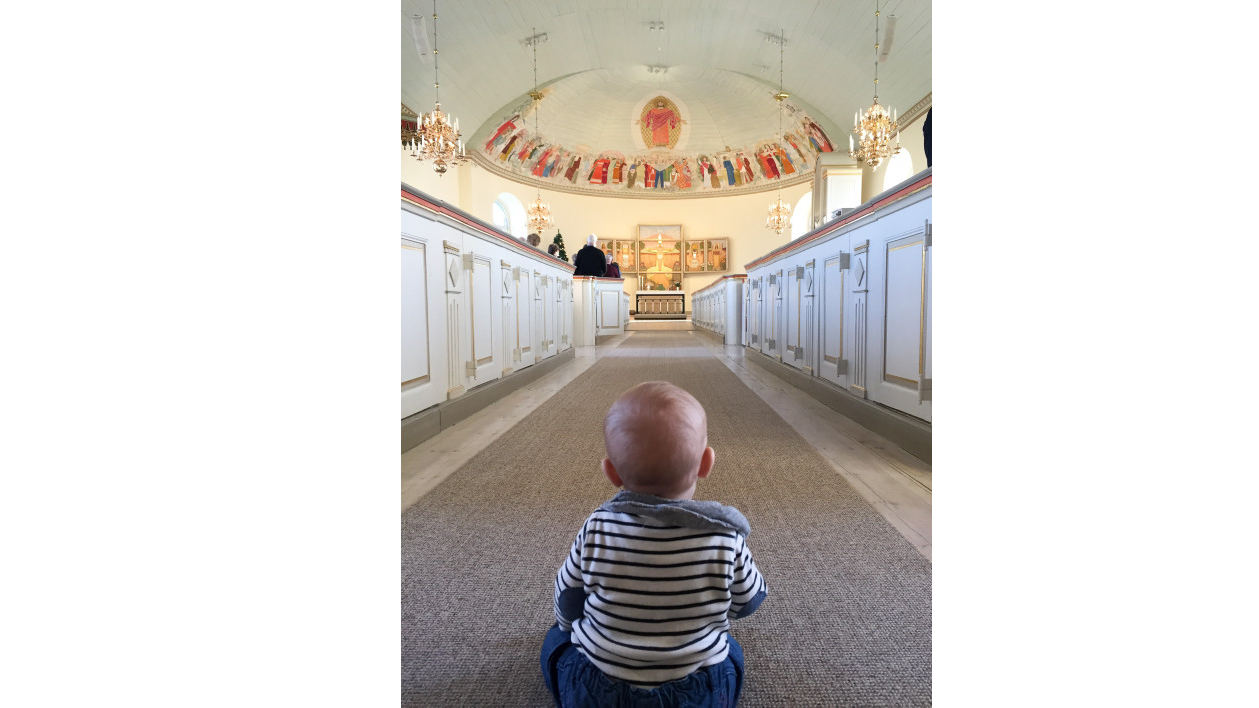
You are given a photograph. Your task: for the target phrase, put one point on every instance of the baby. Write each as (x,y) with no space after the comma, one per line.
(643,602)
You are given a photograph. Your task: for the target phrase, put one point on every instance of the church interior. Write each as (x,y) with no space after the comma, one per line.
(761,175)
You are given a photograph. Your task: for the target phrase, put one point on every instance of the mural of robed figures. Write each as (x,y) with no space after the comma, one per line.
(660,123)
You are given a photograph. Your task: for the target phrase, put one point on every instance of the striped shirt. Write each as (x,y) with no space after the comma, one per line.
(649,602)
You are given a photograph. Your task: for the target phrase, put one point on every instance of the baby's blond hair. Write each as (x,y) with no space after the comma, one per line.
(656,434)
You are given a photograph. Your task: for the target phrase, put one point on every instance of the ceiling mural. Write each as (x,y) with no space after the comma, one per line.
(664,92)
(670,148)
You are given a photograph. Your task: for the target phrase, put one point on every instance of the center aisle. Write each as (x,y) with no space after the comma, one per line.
(848,617)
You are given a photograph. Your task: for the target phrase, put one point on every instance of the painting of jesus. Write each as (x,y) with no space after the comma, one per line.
(661,124)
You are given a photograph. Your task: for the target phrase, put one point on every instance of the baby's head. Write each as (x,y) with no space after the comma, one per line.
(657,441)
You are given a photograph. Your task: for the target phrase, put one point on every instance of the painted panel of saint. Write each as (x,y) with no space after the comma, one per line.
(718,253)
(695,259)
(627,256)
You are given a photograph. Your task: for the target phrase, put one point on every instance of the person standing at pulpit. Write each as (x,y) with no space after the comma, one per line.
(589,260)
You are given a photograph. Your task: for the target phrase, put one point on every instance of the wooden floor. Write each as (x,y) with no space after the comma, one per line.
(895,483)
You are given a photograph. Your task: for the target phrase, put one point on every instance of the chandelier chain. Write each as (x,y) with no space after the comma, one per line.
(778,217)
(538,212)
(437,92)
(534,95)
(876,127)
(435,136)
(876,50)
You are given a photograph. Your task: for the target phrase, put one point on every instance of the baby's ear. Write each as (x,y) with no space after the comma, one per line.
(706,462)
(610,472)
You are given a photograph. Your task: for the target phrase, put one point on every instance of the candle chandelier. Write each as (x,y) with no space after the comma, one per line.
(539,212)
(875,127)
(436,134)
(778,217)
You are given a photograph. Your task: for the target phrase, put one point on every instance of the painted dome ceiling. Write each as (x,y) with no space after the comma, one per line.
(664,92)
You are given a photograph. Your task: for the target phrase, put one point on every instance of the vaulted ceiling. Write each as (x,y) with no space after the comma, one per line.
(601,63)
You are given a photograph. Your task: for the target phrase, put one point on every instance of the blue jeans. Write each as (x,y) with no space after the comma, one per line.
(575,682)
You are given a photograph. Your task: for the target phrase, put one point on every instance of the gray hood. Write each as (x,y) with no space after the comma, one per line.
(708,515)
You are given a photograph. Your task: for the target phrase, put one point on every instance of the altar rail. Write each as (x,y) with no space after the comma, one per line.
(662,304)
(718,308)
(477,304)
(850,302)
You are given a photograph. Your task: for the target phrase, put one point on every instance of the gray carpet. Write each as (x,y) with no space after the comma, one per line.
(848,618)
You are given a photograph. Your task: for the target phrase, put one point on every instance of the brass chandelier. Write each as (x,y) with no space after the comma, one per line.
(539,212)
(778,217)
(436,134)
(875,127)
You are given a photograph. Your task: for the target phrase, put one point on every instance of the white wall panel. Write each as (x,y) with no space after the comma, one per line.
(481,366)
(458,325)
(832,320)
(415,336)
(866,323)
(546,306)
(857,345)
(566,306)
(418,387)
(791,318)
(507,303)
(539,317)
(524,317)
(903,312)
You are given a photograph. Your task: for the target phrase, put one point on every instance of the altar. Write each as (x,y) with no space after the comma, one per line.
(660,305)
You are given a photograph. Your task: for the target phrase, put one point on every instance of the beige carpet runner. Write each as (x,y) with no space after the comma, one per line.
(848,618)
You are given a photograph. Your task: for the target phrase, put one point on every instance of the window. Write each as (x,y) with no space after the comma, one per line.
(500,216)
(802,216)
(508,214)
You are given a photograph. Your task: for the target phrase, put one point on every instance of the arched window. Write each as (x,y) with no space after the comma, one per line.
(509,215)
(802,216)
(500,216)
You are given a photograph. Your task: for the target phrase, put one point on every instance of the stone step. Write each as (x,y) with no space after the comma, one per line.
(645,325)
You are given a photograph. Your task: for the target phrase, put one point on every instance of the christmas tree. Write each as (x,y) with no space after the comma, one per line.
(559,241)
